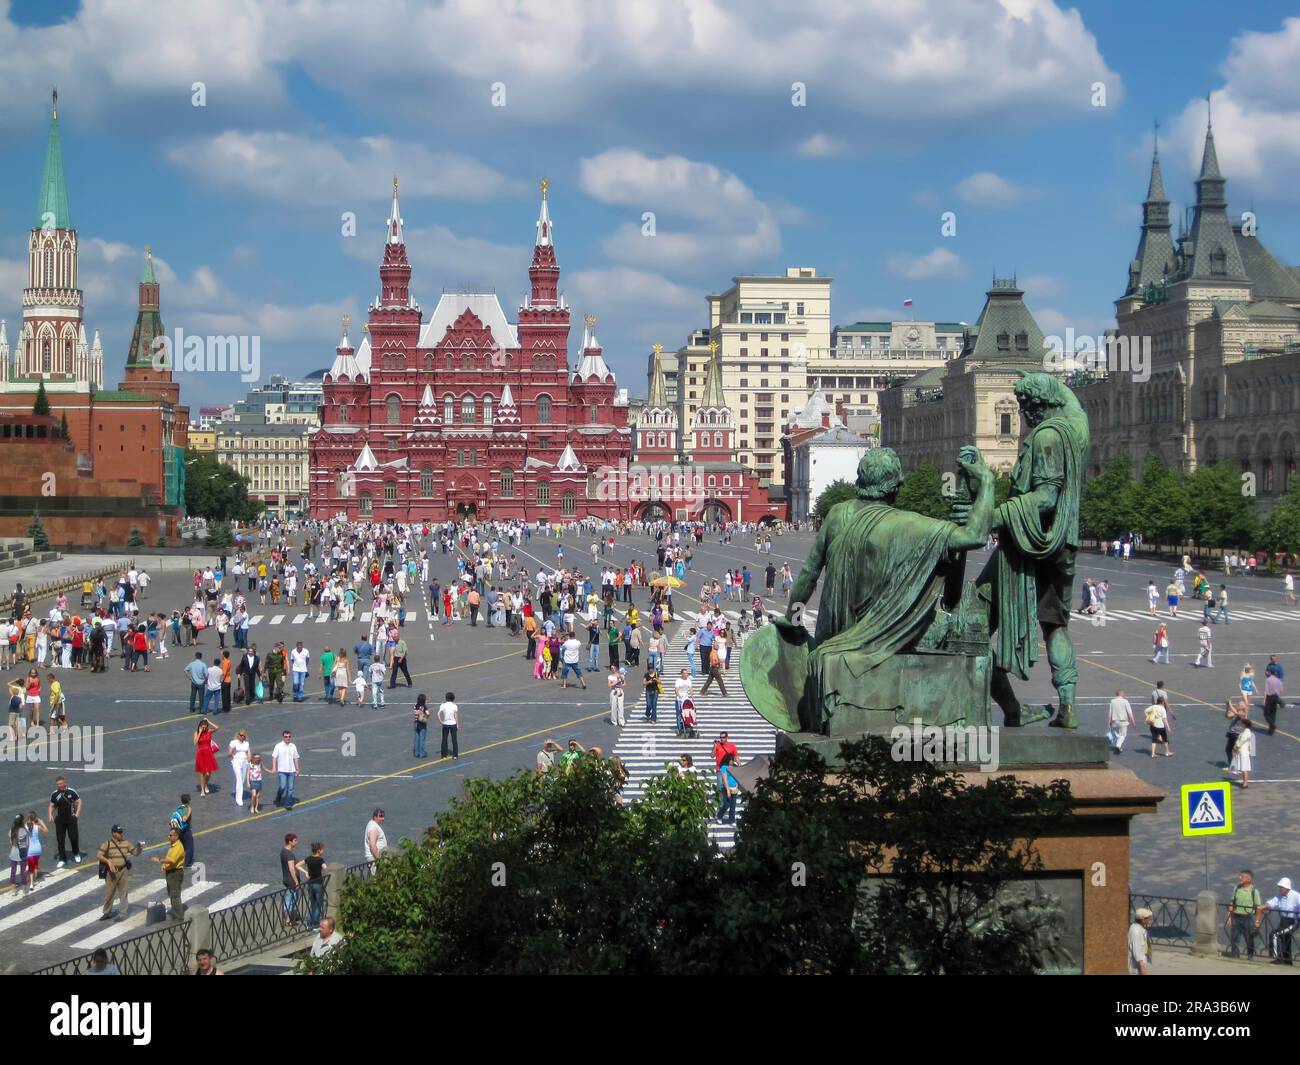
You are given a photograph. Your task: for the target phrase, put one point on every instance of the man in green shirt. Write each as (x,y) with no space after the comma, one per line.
(398,661)
(275,665)
(173,864)
(327,673)
(1242,909)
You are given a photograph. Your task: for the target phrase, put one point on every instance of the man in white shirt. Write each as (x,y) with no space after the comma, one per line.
(449,718)
(1120,717)
(284,756)
(299,664)
(571,656)
(326,938)
(378,671)
(212,688)
(1139,943)
(375,840)
(1205,637)
(1288,596)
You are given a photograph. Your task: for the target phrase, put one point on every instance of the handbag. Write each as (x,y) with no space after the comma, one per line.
(260,690)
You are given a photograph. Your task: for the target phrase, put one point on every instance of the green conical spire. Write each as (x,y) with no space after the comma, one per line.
(54,213)
(713,396)
(149,278)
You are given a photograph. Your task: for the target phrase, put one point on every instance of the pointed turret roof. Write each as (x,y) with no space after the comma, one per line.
(148,277)
(4,339)
(427,414)
(54,213)
(1005,330)
(713,396)
(506,413)
(592,363)
(1154,261)
(366,460)
(544,218)
(568,460)
(1212,252)
(658,398)
(148,322)
(345,362)
(395,234)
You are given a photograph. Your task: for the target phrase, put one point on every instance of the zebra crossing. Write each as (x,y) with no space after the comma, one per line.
(304,618)
(647,748)
(66,908)
(1190,613)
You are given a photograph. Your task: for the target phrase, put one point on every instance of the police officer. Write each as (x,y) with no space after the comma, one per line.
(1287,904)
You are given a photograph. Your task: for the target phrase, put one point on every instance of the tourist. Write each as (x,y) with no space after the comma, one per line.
(255,784)
(327,938)
(1160,644)
(715,671)
(1248,684)
(327,673)
(1242,911)
(1243,753)
(300,664)
(1156,717)
(291,876)
(571,654)
(35,848)
(173,868)
(616,683)
(378,671)
(1222,612)
(421,721)
(205,963)
(1171,597)
(449,718)
(284,758)
(205,748)
(1120,716)
(728,787)
(1206,651)
(182,819)
(1287,904)
(239,750)
(100,965)
(1272,695)
(64,811)
(546,756)
(1139,943)
(316,869)
(653,689)
(114,857)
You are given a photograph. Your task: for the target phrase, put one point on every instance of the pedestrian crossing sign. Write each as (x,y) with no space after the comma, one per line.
(1207,809)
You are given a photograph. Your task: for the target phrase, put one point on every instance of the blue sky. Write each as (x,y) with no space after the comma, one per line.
(678,107)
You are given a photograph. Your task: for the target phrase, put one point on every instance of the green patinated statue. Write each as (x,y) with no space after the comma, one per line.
(1029,581)
(901,636)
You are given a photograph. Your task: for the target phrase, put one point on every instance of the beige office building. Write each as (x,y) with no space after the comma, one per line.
(274,458)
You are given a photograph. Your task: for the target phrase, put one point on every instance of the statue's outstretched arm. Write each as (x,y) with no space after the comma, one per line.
(975,532)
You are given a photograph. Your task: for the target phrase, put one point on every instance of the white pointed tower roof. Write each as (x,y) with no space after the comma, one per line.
(395,235)
(4,339)
(345,364)
(366,460)
(592,363)
(427,415)
(506,413)
(544,218)
(95,345)
(568,460)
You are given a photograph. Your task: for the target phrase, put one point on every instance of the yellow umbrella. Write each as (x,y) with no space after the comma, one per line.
(667,582)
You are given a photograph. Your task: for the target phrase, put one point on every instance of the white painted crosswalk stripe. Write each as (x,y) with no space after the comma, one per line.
(246,891)
(275,620)
(43,904)
(255,619)
(299,619)
(119,929)
(58,931)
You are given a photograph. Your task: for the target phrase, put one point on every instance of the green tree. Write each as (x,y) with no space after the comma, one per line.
(1163,513)
(1107,508)
(219,534)
(835,492)
(41,408)
(63,426)
(39,537)
(1282,530)
(1222,510)
(136,539)
(922,492)
(553,875)
(216,491)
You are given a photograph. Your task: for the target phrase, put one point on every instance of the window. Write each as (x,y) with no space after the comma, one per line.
(1005,424)
(726,481)
(467,409)
(363,502)
(713,481)
(473,456)
(543,494)
(544,413)
(717,439)
(798,309)
(569,505)
(394,410)
(507,483)
(487,410)
(448,410)
(390,491)
(595,415)
(49,266)
(426,482)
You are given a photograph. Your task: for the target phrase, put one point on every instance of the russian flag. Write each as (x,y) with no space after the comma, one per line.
(907,303)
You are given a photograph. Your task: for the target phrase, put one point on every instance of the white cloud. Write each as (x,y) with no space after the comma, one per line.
(939,262)
(440,257)
(704,215)
(931,61)
(821,146)
(986,189)
(621,289)
(1040,286)
(1058,323)
(291,168)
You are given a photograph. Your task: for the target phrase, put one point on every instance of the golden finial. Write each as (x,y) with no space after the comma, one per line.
(394,184)
(658,348)
(713,347)
(55,105)
(545,185)
(588,320)
(365,327)
(148,250)
(346,319)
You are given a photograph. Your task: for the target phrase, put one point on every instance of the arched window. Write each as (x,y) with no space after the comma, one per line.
(569,505)
(663,439)
(543,494)
(448,410)
(487,410)
(467,409)
(726,481)
(364,503)
(544,410)
(49,266)
(713,481)
(595,415)
(46,366)
(390,491)
(507,483)
(717,439)
(426,482)
(67,356)
(394,409)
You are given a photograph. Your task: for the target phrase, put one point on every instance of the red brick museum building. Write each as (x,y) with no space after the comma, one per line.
(468,413)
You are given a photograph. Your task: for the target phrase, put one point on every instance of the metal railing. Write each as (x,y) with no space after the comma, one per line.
(1173,923)
(163,951)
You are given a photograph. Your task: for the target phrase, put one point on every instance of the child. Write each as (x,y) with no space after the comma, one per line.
(58,705)
(359,686)
(255,784)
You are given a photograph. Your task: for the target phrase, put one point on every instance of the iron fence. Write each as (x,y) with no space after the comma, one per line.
(163,951)
(266,921)
(1173,924)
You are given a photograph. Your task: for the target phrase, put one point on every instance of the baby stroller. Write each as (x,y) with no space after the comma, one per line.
(688,719)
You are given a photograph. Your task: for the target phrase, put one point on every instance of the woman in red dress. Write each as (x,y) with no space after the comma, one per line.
(205,753)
